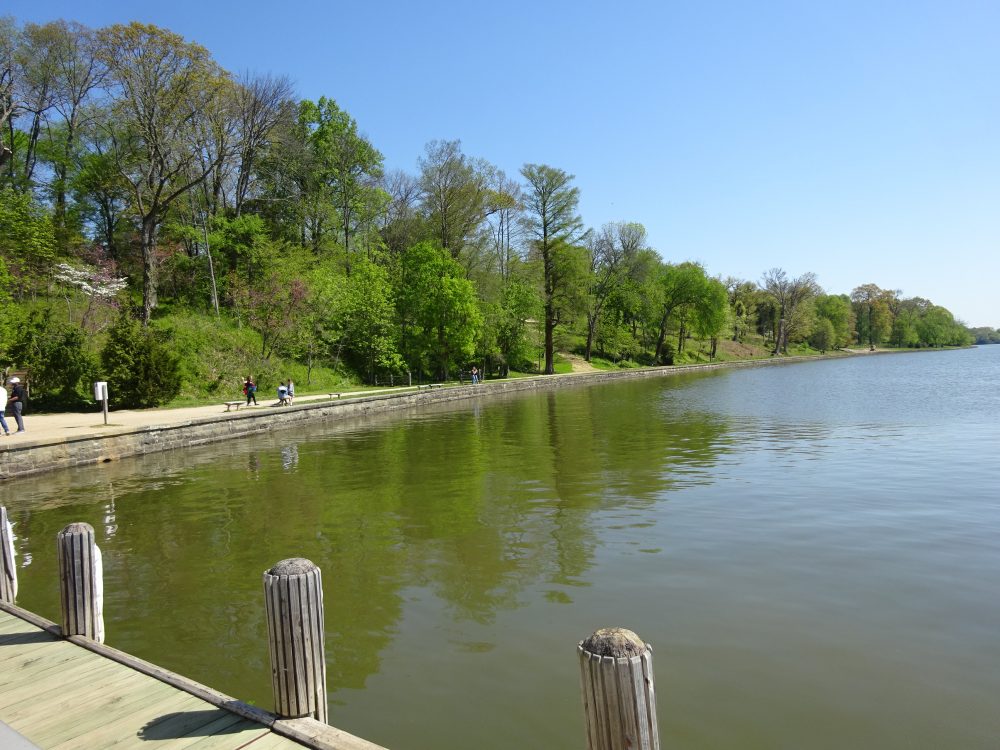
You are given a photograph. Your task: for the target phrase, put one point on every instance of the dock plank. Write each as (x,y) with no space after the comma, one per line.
(109,703)
(108,728)
(219,734)
(62,696)
(17,700)
(35,663)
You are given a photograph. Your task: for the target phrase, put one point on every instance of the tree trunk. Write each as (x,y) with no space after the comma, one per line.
(149,299)
(779,337)
(345,212)
(59,210)
(662,337)
(211,272)
(550,325)
(591,325)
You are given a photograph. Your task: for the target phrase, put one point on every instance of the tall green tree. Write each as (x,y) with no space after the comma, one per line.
(359,318)
(439,315)
(100,195)
(166,92)
(873,315)
(680,287)
(710,313)
(27,239)
(790,297)
(8,76)
(401,222)
(743,297)
(455,195)
(555,229)
(835,308)
(506,335)
(347,167)
(504,222)
(78,72)
(263,103)
(612,253)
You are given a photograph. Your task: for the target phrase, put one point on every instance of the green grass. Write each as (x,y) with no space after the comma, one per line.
(561,365)
(217,354)
(599,363)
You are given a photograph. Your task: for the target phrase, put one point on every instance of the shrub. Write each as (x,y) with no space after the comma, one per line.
(140,369)
(56,355)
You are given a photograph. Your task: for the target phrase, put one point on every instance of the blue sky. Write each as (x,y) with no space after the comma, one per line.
(856,140)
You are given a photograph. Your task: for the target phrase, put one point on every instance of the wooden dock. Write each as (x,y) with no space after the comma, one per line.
(71,692)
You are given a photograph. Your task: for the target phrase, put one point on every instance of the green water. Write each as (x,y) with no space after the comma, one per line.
(812,550)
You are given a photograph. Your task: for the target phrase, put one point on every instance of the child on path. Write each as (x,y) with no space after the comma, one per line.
(250,390)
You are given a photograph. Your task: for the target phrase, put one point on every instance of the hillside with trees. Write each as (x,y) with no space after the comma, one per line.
(171,226)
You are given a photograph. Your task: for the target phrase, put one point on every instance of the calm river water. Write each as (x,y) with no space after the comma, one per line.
(812,549)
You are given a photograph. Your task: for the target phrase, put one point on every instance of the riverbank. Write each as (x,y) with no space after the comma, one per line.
(60,441)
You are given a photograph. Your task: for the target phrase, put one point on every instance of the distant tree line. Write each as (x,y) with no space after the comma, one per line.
(138,178)
(985,335)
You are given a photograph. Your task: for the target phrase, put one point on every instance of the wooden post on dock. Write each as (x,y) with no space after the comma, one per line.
(8,568)
(81,582)
(293,597)
(616,678)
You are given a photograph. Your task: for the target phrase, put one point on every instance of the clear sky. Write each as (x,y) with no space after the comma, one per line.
(857,140)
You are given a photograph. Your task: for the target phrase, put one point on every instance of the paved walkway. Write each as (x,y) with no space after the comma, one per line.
(46,428)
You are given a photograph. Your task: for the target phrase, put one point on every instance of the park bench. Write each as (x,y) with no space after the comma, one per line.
(429,386)
(333,396)
(232,404)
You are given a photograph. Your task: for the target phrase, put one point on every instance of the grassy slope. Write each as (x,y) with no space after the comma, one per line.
(216,355)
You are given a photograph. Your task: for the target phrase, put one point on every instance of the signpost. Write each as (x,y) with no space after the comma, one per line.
(101,394)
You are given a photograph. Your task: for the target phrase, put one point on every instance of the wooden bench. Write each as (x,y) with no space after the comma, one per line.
(333,396)
(231,404)
(429,386)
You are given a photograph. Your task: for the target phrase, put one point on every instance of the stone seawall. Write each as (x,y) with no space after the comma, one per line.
(25,459)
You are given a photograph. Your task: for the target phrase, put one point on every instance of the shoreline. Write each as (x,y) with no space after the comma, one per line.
(79,444)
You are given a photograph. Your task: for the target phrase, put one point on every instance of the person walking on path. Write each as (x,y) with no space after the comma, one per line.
(250,389)
(282,394)
(475,375)
(3,407)
(17,398)
(291,391)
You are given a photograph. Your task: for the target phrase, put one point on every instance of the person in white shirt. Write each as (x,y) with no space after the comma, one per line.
(3,408)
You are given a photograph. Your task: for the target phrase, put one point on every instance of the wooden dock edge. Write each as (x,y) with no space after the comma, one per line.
(308,732)
(316,734)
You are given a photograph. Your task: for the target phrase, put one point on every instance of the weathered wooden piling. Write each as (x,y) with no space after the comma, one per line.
(293,597)
(8,567)
(81,582)
(616,679)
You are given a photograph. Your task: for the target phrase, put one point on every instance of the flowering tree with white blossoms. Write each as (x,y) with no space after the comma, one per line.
(97,284)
